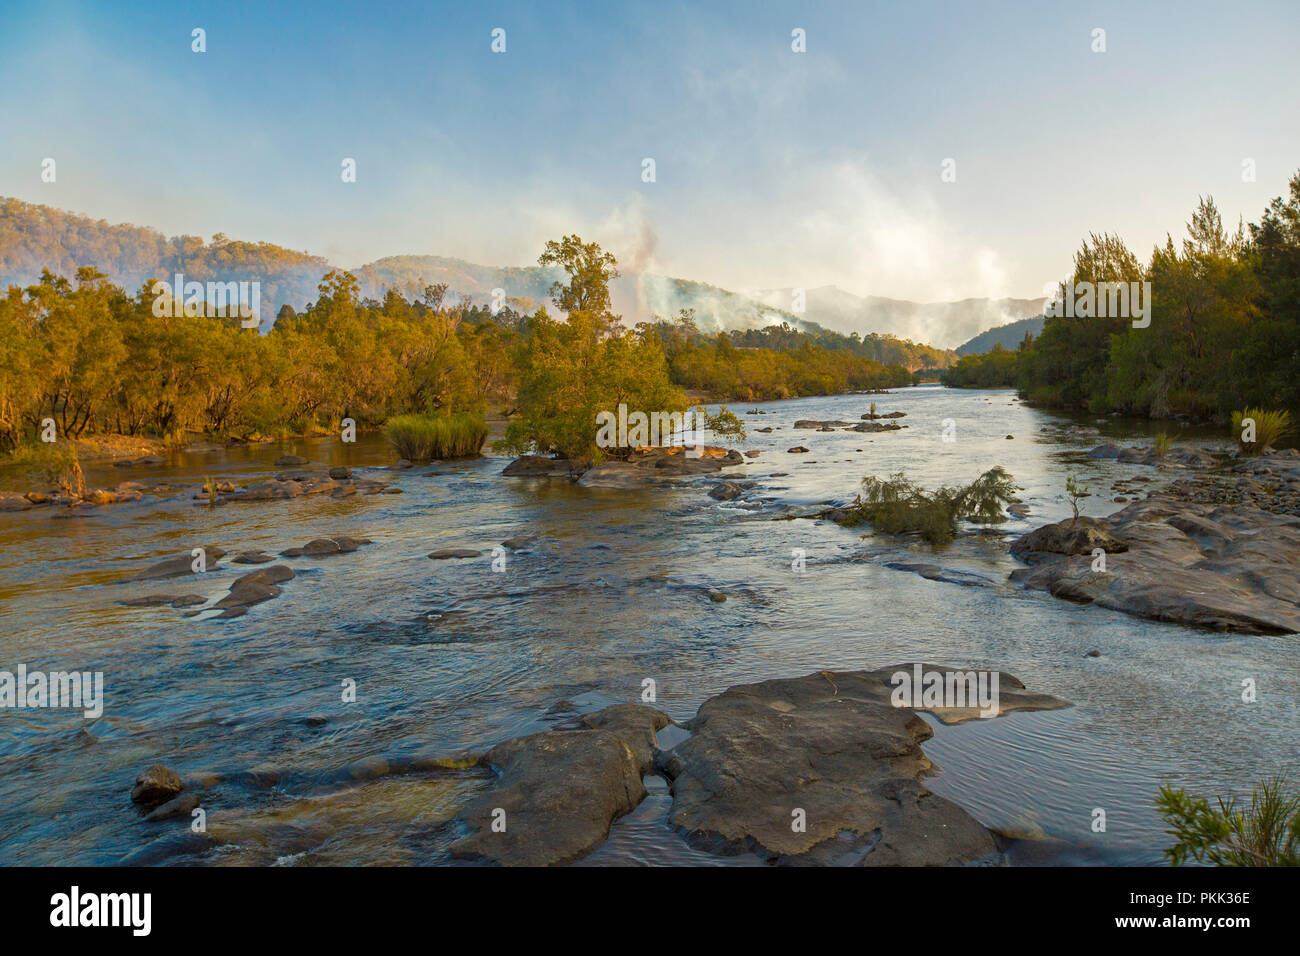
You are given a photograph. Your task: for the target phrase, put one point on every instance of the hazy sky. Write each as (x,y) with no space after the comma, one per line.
(774,168)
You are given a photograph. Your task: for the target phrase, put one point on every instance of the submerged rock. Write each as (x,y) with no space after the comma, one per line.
(450,553)
(181,806)
(179,565)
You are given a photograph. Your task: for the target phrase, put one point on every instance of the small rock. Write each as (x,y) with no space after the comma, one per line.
(156,785)
(447,553)
(798,450)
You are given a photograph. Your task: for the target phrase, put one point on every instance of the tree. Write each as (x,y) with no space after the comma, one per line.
(571,371)
(590,271)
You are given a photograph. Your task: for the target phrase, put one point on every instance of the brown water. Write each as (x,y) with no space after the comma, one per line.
(450,655)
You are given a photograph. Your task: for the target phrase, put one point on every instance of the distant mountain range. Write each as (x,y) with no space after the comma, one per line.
(941,324)
(1008,336)
(34,237)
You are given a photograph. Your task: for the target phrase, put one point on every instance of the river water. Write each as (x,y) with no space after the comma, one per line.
(449,655)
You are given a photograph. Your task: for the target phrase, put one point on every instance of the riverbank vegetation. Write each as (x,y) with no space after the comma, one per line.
(1224,329)
(96,360)
(780,362)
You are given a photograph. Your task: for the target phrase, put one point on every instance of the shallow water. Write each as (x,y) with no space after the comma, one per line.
(450,655)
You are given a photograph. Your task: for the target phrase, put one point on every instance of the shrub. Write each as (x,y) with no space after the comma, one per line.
(1075,493)
(56,464)
(425,437)
(1267,834)
(900,506)
(1270,428)
(1163,444)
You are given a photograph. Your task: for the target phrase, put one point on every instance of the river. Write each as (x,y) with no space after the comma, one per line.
(451,654)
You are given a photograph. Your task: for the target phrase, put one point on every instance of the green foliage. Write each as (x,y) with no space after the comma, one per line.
(97,360)
(1224,330)
(996,368)
(1162,444)
(1266,834)
(1270,428)
(1075,493)
(898,505)
(724,423)
(779,362)
(422,438)
(573,370)
(55,464)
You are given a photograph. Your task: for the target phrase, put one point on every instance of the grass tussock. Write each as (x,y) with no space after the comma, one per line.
(422,438)
(1265,834)
(1270,427)
(898,505)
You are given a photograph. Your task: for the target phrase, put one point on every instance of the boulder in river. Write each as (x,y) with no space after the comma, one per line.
(253,588)
(538,466)
(1224,568)
(450,553)
(558,791)
(156,785)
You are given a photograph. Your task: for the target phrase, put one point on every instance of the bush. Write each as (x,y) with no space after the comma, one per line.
(1163,444)
(1268,834)
(900,506)
(425,437)
(1270,428)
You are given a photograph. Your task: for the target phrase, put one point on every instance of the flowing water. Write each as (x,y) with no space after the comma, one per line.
(619,588)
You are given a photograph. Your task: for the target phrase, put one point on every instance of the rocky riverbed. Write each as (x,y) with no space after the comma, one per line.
(1215,551)
(575,596)
(821,769)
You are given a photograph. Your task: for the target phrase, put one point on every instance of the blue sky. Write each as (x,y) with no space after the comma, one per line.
(773,168)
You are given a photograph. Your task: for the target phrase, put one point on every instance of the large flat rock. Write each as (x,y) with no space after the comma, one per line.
(833,746)
(1223,568)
